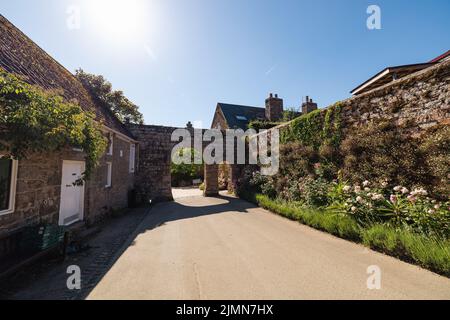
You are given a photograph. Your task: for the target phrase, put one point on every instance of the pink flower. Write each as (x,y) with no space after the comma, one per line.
(412,198)
(393,198)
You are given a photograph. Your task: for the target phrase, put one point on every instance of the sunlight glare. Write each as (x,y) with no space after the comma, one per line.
(120,20)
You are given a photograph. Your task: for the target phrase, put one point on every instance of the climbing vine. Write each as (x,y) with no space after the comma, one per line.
(316,128)
(34,120)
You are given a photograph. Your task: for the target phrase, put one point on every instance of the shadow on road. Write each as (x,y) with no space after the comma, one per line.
(47,280)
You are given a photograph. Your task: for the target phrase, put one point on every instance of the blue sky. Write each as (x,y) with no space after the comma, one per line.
(177,58)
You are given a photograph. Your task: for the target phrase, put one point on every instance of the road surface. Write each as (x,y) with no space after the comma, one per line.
(226,248)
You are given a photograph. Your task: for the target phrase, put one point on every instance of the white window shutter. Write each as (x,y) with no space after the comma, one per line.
(132,157)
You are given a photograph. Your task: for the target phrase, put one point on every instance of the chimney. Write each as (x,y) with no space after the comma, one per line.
(274,108)
(308,105)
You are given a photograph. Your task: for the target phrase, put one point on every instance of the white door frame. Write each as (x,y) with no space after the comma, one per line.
(83,168)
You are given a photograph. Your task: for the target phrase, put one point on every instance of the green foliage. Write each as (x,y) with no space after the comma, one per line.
(186,172)
(33,120)
(338,225)
(430,253)
(289,115)
(115,100)
(435,148)
(306,129)
(398,208)
(262,124)
(315,128)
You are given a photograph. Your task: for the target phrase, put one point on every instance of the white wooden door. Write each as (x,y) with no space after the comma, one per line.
(72,196)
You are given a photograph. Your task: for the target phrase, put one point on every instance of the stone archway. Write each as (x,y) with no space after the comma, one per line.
(153,177)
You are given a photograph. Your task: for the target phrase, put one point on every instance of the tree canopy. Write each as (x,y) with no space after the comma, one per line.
(115,100)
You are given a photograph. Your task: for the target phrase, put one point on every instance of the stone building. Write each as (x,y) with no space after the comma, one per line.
(39,189)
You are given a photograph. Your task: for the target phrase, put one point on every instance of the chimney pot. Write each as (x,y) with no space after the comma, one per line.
(271,95)
(276,95)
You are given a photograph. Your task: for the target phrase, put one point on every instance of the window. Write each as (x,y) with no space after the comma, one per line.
(108,174)
(8,177)
(241,118)
(132,157)
(110,144)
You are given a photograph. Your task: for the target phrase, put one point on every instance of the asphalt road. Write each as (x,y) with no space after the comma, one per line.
(225,248)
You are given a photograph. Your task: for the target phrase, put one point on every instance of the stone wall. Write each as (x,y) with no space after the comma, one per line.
(415,102)
(38,189)
(418,101)
(153,180)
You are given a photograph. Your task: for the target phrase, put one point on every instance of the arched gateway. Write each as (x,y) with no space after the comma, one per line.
(153,177)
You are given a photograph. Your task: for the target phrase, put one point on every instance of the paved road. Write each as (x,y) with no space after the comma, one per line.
(225,248)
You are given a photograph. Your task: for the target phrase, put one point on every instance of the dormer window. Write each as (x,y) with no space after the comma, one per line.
(241,118)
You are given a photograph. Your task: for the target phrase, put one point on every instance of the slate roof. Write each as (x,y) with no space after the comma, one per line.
(21,56)
(232,111)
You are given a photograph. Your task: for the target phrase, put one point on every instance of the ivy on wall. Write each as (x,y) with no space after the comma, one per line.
(33,120)
(315,128)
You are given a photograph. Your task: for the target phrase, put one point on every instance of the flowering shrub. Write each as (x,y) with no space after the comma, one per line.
(399,207)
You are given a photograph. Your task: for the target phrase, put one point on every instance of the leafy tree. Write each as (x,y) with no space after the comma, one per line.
(101,89)
(186,171)
(34,120)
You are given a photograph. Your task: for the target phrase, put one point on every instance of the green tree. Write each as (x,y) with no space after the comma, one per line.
(115,100)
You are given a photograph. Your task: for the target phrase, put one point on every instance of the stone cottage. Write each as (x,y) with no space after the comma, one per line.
(39,189)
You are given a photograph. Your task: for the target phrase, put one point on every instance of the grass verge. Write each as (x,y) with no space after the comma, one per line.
(433,254)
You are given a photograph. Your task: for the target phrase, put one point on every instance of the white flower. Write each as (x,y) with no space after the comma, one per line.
(377,196)
(419,191)
(359,199)
(398,188)
(353,209)
(346,188)
(366,183)
(431,211)
(437,206)
(357,189)
(366,189)
(384,184)
(405,190)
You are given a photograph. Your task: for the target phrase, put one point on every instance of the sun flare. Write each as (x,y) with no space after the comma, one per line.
(121,20)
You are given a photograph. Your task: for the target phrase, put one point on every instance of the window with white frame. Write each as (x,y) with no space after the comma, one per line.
(110,143)
(132,157)
(108,174)
(8,177)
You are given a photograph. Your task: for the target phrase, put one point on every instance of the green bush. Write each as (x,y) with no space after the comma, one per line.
(185,172)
